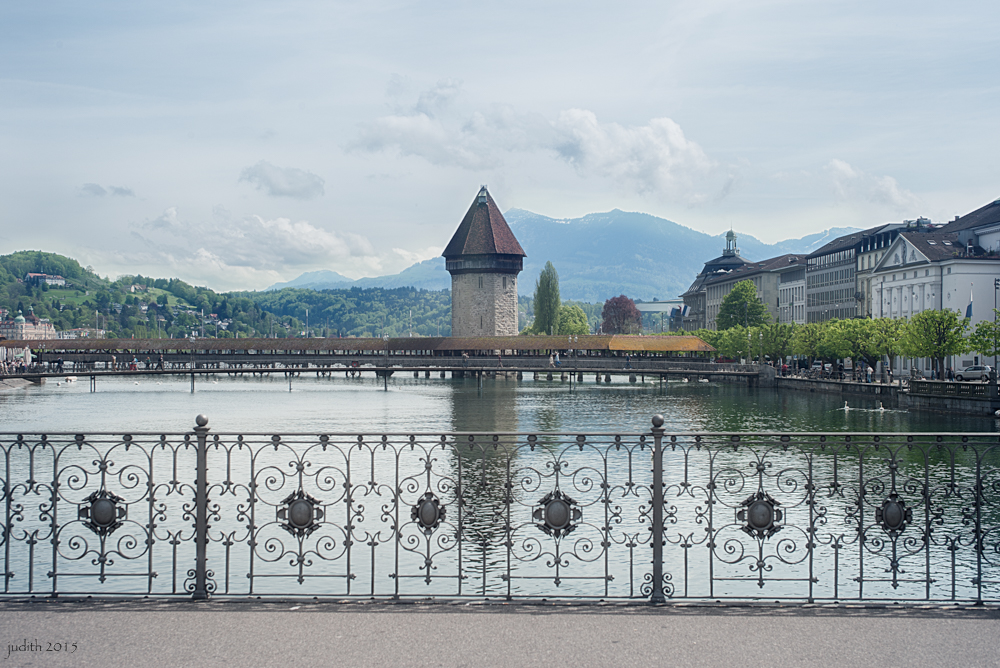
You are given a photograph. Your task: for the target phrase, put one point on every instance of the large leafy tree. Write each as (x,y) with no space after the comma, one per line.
(742,307)
(986,337)
(777,341)
(734,342)
(850,338)
(620,316)
(936,334)
(887,338)
(547,301)
(572,320)
(807,339)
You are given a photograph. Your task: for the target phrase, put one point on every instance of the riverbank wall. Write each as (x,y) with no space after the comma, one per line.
(894,396)
(10,384)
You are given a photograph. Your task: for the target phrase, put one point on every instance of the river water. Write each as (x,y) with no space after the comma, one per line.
(367,490)
(340,405)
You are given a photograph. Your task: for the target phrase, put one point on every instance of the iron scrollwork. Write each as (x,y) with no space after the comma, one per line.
(893,515)
(102,512)
(428,512)
(760,515)
(300,514)
(557,514)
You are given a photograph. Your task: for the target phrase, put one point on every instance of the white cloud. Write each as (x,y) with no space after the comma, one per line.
(93,190)
(412,257)
(653,158)
(283,181)
(851,184)
(656,158)
(229,253)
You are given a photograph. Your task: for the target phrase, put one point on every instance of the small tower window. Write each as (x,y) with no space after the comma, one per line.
(480,282)
(504,282)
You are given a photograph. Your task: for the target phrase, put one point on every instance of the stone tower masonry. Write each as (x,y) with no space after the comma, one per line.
(484,260)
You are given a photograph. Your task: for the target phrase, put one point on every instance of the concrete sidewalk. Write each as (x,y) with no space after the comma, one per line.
(150,633)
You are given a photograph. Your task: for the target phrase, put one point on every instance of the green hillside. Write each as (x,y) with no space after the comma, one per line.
(146,307)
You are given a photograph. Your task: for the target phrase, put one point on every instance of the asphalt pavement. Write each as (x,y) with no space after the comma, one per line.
(150,633)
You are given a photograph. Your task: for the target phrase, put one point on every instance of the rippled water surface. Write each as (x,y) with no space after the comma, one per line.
(341,405)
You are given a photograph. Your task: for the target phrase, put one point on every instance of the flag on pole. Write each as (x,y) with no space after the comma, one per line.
(968,310)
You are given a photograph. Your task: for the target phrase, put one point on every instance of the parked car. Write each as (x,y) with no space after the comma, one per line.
(978,372)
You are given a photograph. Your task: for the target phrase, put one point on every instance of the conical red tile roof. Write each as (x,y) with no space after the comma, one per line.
(483,231)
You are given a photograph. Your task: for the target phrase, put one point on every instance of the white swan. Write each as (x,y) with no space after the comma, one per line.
(846,407)
(881,408)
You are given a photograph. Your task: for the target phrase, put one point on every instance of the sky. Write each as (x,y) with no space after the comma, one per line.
(236,144)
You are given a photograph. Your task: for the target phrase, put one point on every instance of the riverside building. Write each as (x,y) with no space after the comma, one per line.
(30,328)
(695,297)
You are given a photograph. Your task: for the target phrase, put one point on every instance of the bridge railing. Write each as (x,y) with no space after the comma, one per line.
(649,516)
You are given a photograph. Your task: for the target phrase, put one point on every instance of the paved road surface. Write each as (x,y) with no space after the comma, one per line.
(146,634)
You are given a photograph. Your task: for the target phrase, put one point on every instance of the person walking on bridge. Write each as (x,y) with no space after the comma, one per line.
(159,363)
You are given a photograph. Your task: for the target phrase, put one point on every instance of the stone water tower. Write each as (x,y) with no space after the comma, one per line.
(484,260)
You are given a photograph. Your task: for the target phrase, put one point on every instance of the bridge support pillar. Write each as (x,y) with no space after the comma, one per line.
(607,378)
(579,377)
(443,374)
(520,376)
(534,376)
(548,376)
(416,374)
(427,374)
(562,377)
(631,378)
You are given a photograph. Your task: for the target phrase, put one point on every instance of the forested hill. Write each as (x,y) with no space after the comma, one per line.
(146,307)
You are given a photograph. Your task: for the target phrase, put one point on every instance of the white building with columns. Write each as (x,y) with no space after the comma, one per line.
(934,270)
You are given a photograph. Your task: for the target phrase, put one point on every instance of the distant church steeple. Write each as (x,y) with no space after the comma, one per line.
(484,259)
(731,249)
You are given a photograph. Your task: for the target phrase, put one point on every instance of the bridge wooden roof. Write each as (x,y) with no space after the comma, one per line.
(669,344)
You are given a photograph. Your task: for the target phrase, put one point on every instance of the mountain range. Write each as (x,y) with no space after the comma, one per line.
(598,256)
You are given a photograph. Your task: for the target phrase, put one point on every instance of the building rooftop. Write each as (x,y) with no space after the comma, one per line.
(754,268)
(483,231)
(985,215)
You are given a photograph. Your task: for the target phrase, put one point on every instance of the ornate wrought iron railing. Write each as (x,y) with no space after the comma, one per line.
(651,516)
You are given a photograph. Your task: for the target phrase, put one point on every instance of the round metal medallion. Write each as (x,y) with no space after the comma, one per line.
(892,516)
(300,513)
(103,512)
(557,514)
(760,514)
(428,512)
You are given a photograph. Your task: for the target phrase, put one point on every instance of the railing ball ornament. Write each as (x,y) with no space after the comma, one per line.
(101,512)
(428,512)
(760,515)
(300,514)
(893,515)
(557,514)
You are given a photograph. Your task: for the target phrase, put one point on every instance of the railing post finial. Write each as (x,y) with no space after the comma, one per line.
(200,592)
(656,595)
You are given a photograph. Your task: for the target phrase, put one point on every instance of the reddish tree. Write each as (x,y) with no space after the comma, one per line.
(621,316)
